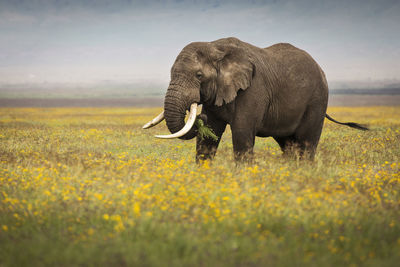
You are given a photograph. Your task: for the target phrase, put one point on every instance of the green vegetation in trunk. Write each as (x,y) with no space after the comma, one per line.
(204,130)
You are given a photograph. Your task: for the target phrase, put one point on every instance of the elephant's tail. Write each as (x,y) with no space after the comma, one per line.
(350,124)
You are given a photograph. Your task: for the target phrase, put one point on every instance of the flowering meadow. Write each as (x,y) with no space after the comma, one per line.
(89,187)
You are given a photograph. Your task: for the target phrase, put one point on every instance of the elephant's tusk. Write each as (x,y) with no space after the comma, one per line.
(187,127)
(154,121)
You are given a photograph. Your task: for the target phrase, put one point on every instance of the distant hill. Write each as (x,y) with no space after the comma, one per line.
(81,90)
(119,90)
(364,84)
(381,91)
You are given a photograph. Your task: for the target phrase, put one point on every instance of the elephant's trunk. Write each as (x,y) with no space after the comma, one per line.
(177,100)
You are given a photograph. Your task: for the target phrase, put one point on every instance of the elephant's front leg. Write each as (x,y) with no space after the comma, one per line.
(243,143)
(207,147)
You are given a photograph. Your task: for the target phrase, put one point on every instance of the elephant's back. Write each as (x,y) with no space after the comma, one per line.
(302,81)
(288,54)
(280,46)
(297,66)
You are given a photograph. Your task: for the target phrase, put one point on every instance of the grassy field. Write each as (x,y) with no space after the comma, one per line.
(89,187)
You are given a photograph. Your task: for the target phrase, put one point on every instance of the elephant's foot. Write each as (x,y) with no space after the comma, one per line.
(244,158)
(200,158)
(296,149)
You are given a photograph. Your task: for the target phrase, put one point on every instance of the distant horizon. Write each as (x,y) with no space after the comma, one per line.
(333,84)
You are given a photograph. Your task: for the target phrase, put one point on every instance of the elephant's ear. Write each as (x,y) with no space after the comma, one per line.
(234,72)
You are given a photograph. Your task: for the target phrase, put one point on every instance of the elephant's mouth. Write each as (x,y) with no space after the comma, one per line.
(186,128)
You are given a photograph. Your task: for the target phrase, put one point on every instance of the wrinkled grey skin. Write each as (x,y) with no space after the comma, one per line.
(278,91)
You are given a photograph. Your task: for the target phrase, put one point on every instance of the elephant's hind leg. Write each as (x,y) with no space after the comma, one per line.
(289,146)
(309,131)
(293,147)
(304,141)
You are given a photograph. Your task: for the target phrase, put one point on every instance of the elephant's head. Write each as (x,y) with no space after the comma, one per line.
(209,73)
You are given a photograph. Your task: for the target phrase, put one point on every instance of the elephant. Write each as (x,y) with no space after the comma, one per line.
(278,91)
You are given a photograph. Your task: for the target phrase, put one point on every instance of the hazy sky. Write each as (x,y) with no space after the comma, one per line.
(125,41)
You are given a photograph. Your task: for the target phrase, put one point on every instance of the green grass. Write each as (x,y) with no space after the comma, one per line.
(88,186)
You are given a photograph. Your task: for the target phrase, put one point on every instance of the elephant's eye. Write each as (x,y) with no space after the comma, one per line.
(199,75)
